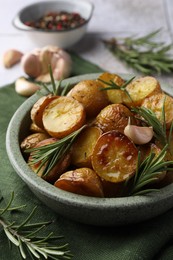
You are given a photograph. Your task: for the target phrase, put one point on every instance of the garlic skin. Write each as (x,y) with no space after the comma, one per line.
(31,64)
(139,134)
(11,57)
(36,63)
(25,88)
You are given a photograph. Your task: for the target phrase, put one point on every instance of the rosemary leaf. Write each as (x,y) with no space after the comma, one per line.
(143,53)
(49,155)
(148,171)
(31,244)
(113,85)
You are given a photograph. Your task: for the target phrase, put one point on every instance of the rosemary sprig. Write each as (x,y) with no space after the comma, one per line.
(150,118)
(24,237)
(55,87)
(142,53)
(149,171)
(49,155)
(112,85)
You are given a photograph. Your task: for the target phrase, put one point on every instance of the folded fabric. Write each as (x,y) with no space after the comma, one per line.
(148,240)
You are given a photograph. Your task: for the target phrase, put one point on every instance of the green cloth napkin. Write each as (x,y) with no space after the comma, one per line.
(149,240)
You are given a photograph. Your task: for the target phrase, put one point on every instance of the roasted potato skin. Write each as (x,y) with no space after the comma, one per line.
(156,103)
(38,109)
(114,117)
(89,94)
(58,169)
(115,96)
(83,181)
(139,89)
(32,140)
(83,146)
(114,157)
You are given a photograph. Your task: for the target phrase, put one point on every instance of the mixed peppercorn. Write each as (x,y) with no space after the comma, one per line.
(57,21)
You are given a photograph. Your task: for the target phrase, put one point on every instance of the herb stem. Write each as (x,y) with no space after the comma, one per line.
(143,53)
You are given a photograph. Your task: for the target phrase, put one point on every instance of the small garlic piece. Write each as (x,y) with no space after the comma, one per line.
(139,134)
(25,88)
(11,57)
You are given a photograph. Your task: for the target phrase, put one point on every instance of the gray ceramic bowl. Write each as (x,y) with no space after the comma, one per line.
(89,210)
(62,39)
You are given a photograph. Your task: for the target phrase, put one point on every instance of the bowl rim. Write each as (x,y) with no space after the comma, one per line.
(18,24)
(19,164)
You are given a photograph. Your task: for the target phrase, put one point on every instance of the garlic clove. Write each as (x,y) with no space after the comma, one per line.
(45,78)
(25,88)
(11,57)
(31,64)
(139,134)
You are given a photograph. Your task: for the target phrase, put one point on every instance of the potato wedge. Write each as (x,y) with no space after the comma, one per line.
(156,103)
(141,88)
(38,108)
(62,116)
(83,181)
(115,96)
(58,169)
(114,117)
(88,93)
(114,157)
(83,147)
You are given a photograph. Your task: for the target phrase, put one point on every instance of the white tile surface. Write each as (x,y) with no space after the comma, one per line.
(111,18)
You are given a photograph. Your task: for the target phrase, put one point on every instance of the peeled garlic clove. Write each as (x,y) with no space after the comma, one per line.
(25,87)
(11,57)
(31,64)
(139,134)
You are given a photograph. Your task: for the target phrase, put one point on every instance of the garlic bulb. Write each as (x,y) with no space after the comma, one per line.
(139,134)
(36,63)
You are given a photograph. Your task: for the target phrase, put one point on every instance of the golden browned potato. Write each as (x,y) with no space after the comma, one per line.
(139,89)
(114,95)
(63,116)
(32,140)
(57,170)
(38,108)
(156,103)
(83,181)
(89,94)
(35,129)
(114,117)
(114,157)
(83,147)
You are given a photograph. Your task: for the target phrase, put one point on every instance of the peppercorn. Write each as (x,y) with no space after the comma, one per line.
(57,21)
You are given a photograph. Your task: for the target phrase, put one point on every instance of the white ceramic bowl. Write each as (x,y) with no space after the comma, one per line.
(62,39)
(89,210)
